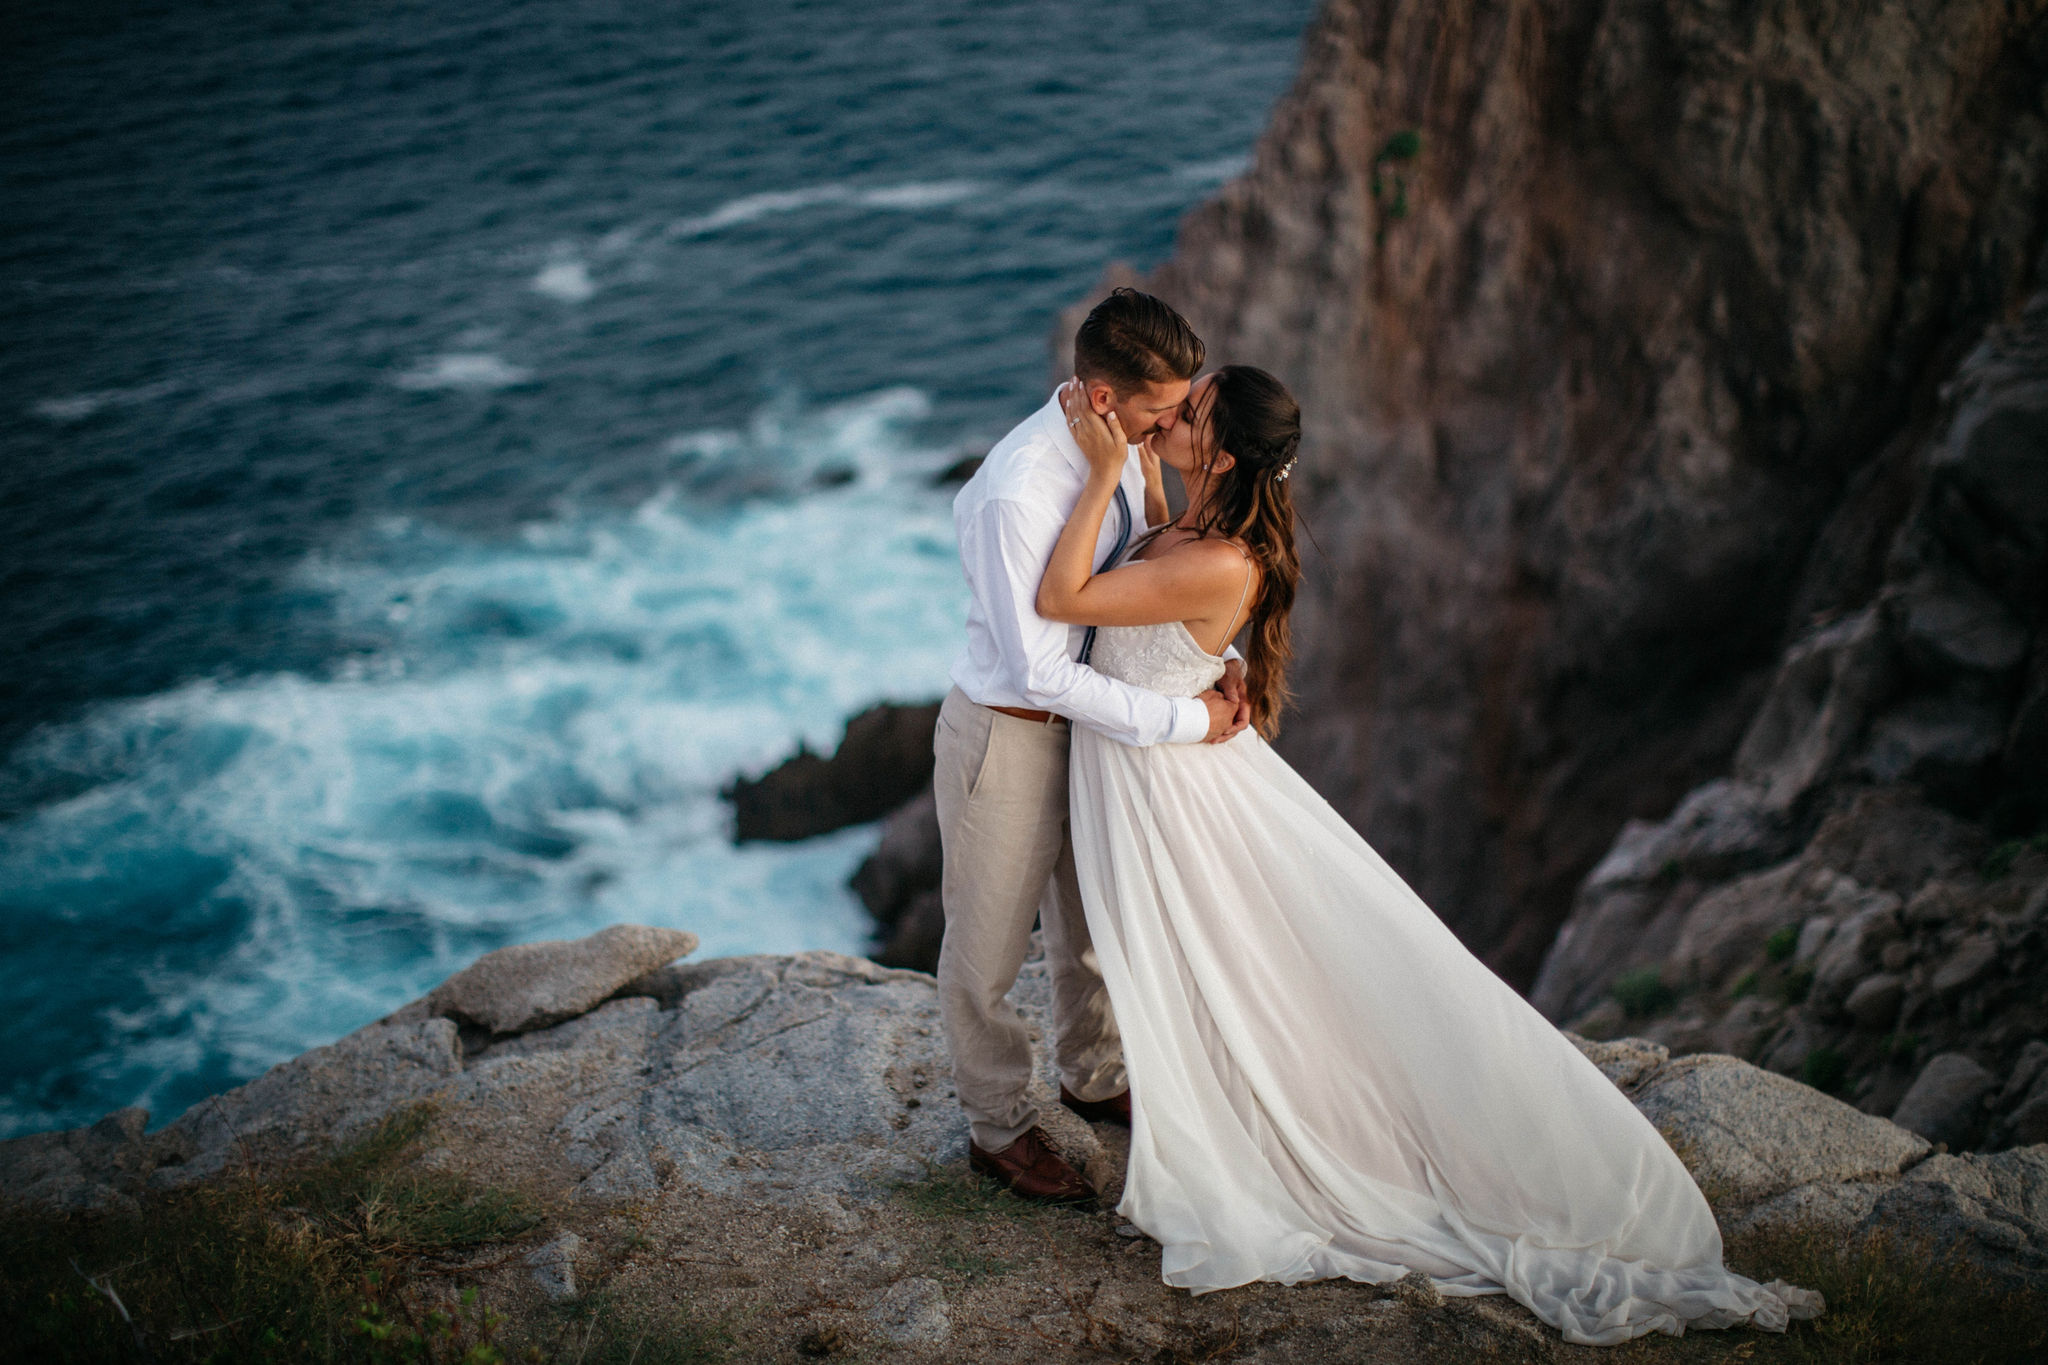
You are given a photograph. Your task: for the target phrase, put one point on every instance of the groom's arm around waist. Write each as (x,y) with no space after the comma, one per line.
(1004,547)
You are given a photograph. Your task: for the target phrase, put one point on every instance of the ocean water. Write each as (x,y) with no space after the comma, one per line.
(444,443)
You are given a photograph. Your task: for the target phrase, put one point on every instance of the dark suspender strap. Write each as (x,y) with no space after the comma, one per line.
(1123,538)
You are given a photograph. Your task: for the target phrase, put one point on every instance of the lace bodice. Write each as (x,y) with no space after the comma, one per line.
(1162,658)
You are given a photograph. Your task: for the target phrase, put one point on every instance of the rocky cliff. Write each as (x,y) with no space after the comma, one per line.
(1616,328)
(1863,900)
(773,1141)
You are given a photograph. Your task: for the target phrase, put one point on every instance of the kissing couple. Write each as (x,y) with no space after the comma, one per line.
(1320,1081)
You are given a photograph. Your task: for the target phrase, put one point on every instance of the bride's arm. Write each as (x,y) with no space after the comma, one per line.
(1072,563)
(1188,584)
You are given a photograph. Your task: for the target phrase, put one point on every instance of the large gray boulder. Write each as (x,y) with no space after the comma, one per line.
(1623,918)
(808,1077)
(812,1073)
(1748,1134)
(1771,1154)
(533,985)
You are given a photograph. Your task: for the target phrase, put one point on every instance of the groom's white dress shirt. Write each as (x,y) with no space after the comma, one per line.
(1008,518)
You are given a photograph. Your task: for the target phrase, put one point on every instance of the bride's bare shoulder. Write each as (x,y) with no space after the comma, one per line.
(1211,554)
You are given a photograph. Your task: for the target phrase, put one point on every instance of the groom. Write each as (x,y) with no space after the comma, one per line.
(1001,748)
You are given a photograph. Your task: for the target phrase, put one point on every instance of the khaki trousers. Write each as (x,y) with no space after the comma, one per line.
(1001,786)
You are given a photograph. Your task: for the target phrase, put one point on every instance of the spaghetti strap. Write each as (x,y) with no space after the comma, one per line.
(1242,594)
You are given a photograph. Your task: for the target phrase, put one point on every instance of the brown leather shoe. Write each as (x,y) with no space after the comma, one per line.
(1030,1167)
(1115,1109)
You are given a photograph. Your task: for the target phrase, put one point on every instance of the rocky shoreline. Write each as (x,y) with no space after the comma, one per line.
(885,762)
(795,1099)
(1678,455)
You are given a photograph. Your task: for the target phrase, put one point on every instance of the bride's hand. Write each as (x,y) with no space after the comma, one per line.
(1157,513)
(1101,438)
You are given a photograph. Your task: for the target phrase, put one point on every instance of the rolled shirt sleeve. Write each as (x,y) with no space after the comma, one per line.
(1005,548)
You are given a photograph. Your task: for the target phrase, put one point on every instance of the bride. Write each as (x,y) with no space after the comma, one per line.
(1324,1082)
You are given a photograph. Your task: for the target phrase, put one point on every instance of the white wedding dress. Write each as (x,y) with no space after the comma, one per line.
(1325,1083)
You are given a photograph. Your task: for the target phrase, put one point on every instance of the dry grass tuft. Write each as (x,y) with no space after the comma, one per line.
(1895,1301)
(354,1257)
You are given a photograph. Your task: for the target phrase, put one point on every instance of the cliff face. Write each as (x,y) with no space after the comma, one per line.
(1610,390)
(1817,910)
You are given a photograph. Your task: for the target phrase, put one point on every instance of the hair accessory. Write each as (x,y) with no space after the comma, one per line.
(1280,474)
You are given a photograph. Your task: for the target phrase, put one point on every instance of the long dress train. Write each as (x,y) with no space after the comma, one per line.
(1325,1083)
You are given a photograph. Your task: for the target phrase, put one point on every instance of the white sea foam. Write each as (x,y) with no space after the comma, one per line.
(535,751)
(746,209)
(1214,171)
(79,406)
(464,370)
(565,279)
(920,196)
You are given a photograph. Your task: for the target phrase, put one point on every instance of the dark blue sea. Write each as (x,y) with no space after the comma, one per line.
(441,443)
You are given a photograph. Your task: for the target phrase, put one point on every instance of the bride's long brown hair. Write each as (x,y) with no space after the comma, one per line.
(1255,419)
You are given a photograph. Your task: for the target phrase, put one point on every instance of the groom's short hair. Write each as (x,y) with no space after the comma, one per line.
(1131,339)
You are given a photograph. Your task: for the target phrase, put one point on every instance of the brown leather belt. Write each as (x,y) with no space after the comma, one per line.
(1036,717)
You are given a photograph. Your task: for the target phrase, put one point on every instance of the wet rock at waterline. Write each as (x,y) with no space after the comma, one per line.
(883,761)
(881,770)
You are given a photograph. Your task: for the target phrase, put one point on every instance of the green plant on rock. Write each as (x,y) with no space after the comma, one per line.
(1824,1069)
(1795,984)
(1745,985)
(1394,153)
(1642,993)
(1781,943)
(1999,860)
(466,1336)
